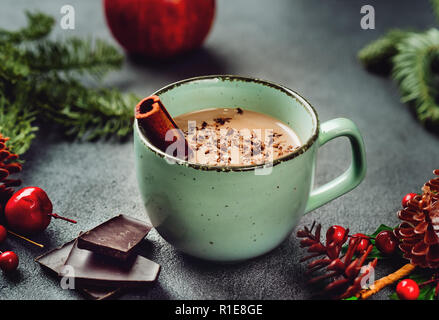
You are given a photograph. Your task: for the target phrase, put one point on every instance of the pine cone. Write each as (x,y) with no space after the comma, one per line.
(344,272)
(419,231)
(8,165)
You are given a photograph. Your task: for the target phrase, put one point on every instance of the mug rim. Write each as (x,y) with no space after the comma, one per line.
(293,94)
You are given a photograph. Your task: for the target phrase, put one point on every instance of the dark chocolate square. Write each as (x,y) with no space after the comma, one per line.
(116,238)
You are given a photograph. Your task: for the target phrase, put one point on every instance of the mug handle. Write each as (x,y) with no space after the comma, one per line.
(340,127)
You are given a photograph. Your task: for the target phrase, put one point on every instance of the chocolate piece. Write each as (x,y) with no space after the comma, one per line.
(54,260)
(116,237)
(97,270)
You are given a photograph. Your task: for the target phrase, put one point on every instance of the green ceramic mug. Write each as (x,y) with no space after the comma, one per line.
(234,213)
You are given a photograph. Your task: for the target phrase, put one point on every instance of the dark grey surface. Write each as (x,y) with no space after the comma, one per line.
(307,45)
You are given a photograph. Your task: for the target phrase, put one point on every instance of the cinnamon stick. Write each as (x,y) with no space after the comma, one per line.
(156,122)
(385,281)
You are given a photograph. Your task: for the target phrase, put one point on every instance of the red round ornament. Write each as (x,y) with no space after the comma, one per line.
(407,289)
(335,234)
(8,261)
(407,198)
(386,242)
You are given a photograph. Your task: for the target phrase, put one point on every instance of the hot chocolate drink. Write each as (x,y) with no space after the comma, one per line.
(236,137)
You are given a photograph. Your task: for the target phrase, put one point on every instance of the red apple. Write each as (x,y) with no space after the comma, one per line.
(28,210)
(159,28)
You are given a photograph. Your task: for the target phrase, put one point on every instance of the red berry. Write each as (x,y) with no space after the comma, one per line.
(335,234)
(27,211)
(3,233)
(363,244)
(8,261)
(407,289)
(386,242)
(407,198)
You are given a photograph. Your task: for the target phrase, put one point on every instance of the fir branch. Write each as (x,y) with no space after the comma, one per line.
(85,112)
(377,56)
(413,70)
(74,55)
(39,25)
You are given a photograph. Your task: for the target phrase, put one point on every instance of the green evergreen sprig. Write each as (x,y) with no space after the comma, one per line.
(41,81)
(85,112)
(412,59)
(377,56)
(75,56)
(39,25)
(413,70)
